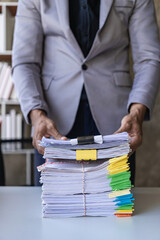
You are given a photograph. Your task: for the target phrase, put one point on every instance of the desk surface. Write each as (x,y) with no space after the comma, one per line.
(20,219)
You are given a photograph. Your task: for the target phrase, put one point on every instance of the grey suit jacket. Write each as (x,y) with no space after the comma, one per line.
(47,61)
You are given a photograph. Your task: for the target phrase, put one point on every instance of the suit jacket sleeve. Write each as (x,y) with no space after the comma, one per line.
(145,45)
(27,57)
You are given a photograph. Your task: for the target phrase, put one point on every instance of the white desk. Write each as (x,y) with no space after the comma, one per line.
(20,219)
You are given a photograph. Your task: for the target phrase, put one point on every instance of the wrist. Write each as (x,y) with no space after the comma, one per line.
(36,115)
(138,110)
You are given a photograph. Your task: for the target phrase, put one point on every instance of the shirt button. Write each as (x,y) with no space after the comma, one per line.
(84,67)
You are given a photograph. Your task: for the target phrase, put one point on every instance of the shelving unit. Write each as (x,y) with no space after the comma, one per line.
(27,153)
(4,104)
(7,20)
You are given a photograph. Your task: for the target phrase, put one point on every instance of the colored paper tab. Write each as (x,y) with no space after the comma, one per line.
(86,155)
(125,211)
(123,215)
(119,193)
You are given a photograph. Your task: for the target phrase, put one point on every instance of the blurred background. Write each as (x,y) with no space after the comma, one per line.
(18,156)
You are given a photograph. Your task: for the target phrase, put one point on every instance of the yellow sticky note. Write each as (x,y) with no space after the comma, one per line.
(125,211)
(117,159)
(123,169)
(86,155)
(117,165)
(119,193)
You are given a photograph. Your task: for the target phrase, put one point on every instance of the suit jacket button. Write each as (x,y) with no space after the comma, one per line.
(84,67)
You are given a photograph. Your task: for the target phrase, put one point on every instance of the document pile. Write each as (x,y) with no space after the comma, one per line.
(75,184)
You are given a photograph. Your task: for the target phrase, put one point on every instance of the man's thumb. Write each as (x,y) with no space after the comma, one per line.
(121,129)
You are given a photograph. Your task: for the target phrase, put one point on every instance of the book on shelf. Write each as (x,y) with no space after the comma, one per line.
(1,65)
(4,67)
(12,129)
(13,95)
(7,90)
(2,32)
(5,80)
(7,22)
(8,131)
(10,21)
(19,129)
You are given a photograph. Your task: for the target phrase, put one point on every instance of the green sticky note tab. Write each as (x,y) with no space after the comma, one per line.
(121,186)
(125,207)
(119,175)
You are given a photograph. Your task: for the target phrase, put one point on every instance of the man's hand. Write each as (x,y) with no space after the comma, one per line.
(132,123)
(43,126)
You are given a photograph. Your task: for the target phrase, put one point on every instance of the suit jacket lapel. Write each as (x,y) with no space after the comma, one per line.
(63,13)
(105,7)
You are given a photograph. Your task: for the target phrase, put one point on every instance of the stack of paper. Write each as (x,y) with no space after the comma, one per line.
(86,188)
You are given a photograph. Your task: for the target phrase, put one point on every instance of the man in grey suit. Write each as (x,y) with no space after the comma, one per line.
(65,51)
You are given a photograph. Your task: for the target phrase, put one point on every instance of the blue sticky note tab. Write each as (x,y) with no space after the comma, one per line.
(123,197)
(124,202)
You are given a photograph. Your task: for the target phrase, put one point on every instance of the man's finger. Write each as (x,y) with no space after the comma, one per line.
(36,137)
(40,150)
(118,131)
(34,143)
(135,142)
(54,133)
(121,129)
(125,125)
(57,135)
